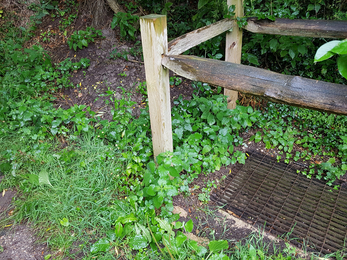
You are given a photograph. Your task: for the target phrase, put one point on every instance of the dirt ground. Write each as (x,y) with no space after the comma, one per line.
(105,73)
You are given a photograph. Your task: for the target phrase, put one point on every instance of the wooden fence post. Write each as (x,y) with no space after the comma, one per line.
(233,49)
(154,44)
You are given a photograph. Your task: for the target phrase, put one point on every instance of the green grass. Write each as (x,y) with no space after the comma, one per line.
(84,190)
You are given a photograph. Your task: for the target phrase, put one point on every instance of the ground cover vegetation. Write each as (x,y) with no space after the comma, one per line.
(93,184)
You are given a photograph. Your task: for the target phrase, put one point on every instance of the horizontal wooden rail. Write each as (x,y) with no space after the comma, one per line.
(287,89)
(194,38)
(299,27)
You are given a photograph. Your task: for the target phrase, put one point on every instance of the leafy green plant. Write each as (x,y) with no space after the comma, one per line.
(127,24)
(81,38)
(331,48)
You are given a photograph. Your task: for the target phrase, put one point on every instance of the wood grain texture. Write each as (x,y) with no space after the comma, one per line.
(154,44)
(293,90)
(194,38)
(233,49)
(299,27)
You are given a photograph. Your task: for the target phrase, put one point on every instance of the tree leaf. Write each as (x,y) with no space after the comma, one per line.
(323,51)
(150,191)
(342,65)
(341,48)
(216,246)
(103,245)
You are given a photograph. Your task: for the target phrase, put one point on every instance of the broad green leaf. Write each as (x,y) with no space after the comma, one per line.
(323,51)
(145,232)
(180,238)
(344,167)
(302,49)
(273,44)
(151,167)
(219,245)
(342,65)
(127,219)
(150,191)
(43,178)
(164,224)
(172,190)
(201,251)
(103,245)
(85,43)
(162,171)
(138,242)
(252,59)
(118,229)
(174,172)
(170,242)
(252,253)
(341,48)
(4,167)
(179,132)
(33,179)
(291,53)
(206,149)
(179,224)
(189,226)
(158,201)
(210,119)
(193,245)
(221,256)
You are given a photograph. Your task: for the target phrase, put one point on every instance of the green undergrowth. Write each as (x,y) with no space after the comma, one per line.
(92,185)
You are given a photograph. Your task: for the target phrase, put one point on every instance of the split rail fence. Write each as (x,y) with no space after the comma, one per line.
(160,56)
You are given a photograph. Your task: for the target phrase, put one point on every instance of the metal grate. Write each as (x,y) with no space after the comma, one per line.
(273,195)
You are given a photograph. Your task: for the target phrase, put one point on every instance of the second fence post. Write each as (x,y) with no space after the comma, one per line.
(233,48)
(154,44)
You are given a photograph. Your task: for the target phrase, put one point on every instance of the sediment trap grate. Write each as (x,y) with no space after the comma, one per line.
(273,195)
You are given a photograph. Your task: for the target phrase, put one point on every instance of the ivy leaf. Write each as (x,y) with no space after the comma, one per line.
(210,119)
(179,132)
(216,246)
(206,149)
(273,44)
(103,245)
(291,53)
(342,65)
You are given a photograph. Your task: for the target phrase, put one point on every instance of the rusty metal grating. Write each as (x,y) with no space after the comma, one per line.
(273,195)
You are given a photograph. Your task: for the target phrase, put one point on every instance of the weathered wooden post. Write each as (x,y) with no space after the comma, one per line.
(233,49)
(154,44)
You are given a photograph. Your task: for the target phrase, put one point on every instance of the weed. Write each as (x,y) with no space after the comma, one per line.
(81,38)
(126,23)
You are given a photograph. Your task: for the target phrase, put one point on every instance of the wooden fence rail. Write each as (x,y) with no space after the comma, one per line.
(292,90)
